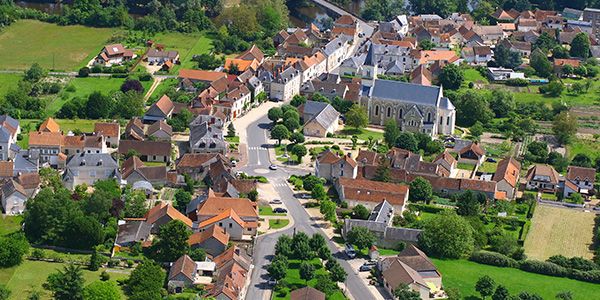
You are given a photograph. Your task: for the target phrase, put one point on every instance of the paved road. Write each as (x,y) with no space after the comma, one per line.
(258,163)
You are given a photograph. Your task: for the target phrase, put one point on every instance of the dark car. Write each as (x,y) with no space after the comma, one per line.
(280,210)
(365,268)
(489,159)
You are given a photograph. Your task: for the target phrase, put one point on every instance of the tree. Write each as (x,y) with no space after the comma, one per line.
(84,72)
(425,45)
(12,249)
(404,292)
(361,237)
(467,204)
(338,274)
(471,107)
(554,88)
(297,138)
(502,102)
(275,114)
(198,254)
(391,133)
(485,286)
(477,129)
(507,58)
(94,261)
(303,251)
(567,69)
(307,271)
(420,190)
(253,195)
(35,73)
(361,212)
(407,141)
(541,64)
(318,192)
(383,173)
(291,124)
(283,245)
(565,127)
(101,290)
(451,77)
(582,160)
(146,281)
(580,46)
(279,132)
(545,41)
(560,52)
(277,270)
(317,241)
(328,209)
(66,284)
(98,105)
(83,233)
(132,85)
(325,284)
(529,296)
(564,295)
(298,100)
(441,7)
(4,292)
(129,104)
(501,293)
(357,117)
(183,198)
(580,71)
(324,253)
(230,130)
(300,151)
(326,23)
(172,241)
(447,235)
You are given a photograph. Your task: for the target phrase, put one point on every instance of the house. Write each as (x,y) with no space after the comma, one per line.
(233,266)
(26,161)
(206,135)
(566,37)
(231,223)
(234,187)
(373,252)
(489,33)
(48,144)
(414,268)
(149,151)
(162,213)
(447,162)
(160,110)
(49,126)
(213,239)
(131,233)
(559,63)
(542,178)
(322,123)
(522,47)
(157,56)
(161,130)
(135,130)
(554,22)
(307,293)
(421,75)
(572,13)
(113,55)
(329,165)
(507,176)
(370,193)
(13,198)
(72,144)
(7,141)
(282,85)
(6,170)
(525,25)
(87,168)
(134,170)
(329,90)
(280,37)
(110,131)
(579,180)
(199,166)
(215,206)
(472,155)
(185,272)
(477,54)
(501,74)
(583,26)
(187,78)
(592,15)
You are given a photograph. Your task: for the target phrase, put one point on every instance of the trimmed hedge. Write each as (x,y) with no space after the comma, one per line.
(517,82)
(589,276)
(426,208)
(544,268)
(531,210)
(493,259)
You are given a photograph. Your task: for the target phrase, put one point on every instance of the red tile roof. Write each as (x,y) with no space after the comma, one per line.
(373,191)
(208,76)
(49,125)
(45,139)
(107,129)
(163,209)
(508,169)
(211,232)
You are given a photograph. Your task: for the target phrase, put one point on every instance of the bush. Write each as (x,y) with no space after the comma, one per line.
(493,259)
(145,77)
(589,276)
(130,263)
(84,72)
(517,82)
(426,208)
(544,268)
(104,276)
(113,262)
(122,281)
(344,204)
(38,254)
(531,210)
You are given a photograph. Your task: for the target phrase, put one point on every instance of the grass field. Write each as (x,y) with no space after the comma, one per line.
(559,231)
(293,278)
(27,41)
(8,80)
(268,211)
(363,134)
(282,223)
(474,75)
(188,45)
(489,167)
(10,224)
(463,275)
(583,146)
(30,275)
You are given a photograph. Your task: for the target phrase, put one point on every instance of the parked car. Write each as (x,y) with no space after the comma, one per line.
(273,167)
(279,210)
(489,159)
(365,268)
(371,262)
(272,281)
(151,63)
(275,201)
(305,196)
(233,163)
(349,249)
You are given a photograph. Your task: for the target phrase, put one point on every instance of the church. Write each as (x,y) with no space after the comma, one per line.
(415,107)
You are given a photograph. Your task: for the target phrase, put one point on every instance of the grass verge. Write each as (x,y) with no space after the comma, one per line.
(278,223)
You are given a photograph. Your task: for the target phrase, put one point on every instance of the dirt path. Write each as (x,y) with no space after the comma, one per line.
(155,83)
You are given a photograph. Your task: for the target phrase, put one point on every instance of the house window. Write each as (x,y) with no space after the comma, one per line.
(153,157)
(92,173)
(441,120)
(342,173)
(249,229)
(342,166)
(220,224)
(230,225)
(76,172)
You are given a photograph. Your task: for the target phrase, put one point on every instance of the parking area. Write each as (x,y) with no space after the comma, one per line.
(379,292)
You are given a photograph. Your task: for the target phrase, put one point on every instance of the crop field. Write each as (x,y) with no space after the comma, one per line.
(559,231)
(66,47)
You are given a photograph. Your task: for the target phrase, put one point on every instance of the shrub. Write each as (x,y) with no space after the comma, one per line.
(145,77)
(544,268)
(104,276)
(589,276)
(122,281)
(344,205)
(38,253)
(426,208)
(517,82)
(493,259)
(70,88)
(130,263)
(335,147)
(113,262)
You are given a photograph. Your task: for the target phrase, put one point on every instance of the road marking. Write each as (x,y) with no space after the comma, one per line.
(258,148)
(280,184)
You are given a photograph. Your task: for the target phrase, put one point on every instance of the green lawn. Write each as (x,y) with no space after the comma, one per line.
(489,167)
(162,88)
(10,224)
(582,146)
(474,75)
(8,80)
(273,223)
(30,275)
(463,275)
(187,44)
(293,278)
(268,211)
(27,41)
(235,139)
(466,167)
(363,134)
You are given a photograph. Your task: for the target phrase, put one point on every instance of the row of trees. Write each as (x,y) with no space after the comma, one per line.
(286,129)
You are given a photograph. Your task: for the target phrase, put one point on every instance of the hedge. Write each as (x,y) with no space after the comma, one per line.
(517,82)
(523,232)
(426,208)
(531,210)
(493,259)
(544,268)
(589,276)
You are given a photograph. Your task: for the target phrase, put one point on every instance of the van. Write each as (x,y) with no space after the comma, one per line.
(350,251)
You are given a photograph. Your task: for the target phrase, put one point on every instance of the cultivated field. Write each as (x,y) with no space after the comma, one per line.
(559,231)
(27,41)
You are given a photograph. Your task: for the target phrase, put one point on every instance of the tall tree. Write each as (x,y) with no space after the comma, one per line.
(541,64)
(357,117)
(230,130)
(391,133)
(146,281)
(447,235)
(275,114)
(277,270)
(328,209)
(383,173)
(307,271)
(407,141)
(300,151)
(35,73)
(172,241)
(98,105)
(361,237)
(502,102)
(451,77)
(545,41)
(420,190)
(441,7)
(66,284)
(12,249)
(485,286)
(467,204)
(507,58)
(279,132)
(101,290)
(580,46)
(501,293)
(565,127)
(471,107)
(404,292)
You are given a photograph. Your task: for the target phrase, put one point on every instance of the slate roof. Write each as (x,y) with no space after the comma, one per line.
(6,120)
(399,272)
(145,147)
(12,187)
(406,92)
(326,117)
(5,134)
(91,159)
(382,212)
(133,232)
(312,107)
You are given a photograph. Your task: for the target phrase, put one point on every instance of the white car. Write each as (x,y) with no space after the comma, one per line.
(275,201)
(349,249)
(272,281)
(273,167)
